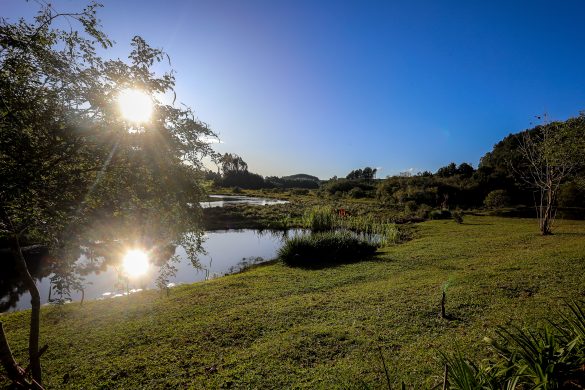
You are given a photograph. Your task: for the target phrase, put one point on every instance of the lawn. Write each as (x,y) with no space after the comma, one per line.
(280,327)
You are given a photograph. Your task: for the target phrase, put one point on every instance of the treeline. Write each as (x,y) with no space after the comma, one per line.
(498,182)
(235,174)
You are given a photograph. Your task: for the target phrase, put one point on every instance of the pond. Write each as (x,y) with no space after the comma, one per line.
(224,200)
(227,252)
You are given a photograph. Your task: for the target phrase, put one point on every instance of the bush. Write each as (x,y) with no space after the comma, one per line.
(410,207)
(321,249)
(357,193)
(497,199)
(299,191)
(423,211)
(458,216)
(440,214)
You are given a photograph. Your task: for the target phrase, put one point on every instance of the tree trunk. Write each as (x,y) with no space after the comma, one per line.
(35,301)
(547,215)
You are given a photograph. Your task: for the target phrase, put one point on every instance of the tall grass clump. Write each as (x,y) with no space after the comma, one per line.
(320,219)
(549,358)
(326,219)
(325,248)
(381,232)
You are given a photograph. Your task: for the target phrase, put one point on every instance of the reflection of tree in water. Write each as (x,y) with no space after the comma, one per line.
(11,284)
(245,263)
(67,277)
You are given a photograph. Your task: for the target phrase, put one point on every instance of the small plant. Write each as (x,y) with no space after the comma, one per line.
(549,358)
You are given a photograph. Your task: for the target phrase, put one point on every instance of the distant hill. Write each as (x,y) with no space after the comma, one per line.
(301,176)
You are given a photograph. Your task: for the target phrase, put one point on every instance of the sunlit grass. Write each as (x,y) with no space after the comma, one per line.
(281,327)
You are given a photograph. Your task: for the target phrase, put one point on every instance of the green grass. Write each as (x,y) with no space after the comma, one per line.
(281,327)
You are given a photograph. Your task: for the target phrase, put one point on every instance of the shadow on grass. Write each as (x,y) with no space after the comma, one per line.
(319,264)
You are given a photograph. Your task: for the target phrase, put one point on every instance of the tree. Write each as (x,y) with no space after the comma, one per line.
(465,170)
(367,173)
(232,163)
(551,153)
(75,175)
(448,170)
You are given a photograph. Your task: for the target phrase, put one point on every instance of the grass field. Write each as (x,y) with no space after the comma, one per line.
(280,327)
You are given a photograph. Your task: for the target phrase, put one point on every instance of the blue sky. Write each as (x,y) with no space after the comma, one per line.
(323,87)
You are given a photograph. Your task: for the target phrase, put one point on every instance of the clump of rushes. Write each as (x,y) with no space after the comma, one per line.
(326,219)
(320,219)
(322,249)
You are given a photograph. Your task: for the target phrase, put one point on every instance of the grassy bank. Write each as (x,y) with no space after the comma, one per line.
(281,327)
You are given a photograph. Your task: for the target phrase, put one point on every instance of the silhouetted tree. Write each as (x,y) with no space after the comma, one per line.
(72,174)
(232,163)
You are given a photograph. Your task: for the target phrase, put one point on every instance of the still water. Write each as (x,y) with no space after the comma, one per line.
(227,252)
(224,200)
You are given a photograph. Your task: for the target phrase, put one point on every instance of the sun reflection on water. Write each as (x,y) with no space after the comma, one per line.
(135,263)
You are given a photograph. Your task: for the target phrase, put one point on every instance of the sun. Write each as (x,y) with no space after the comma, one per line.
(135,263)
(135,105)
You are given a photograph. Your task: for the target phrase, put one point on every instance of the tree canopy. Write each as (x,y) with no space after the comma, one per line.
(78,177)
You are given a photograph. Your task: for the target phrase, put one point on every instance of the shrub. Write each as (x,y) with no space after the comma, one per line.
(299,191)
(423,211)
(497,199)
(357,193)
(440,214)
(321,249)
(458,216)
(410,207)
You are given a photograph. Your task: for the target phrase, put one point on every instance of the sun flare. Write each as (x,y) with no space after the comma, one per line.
(135,105)
(135,263)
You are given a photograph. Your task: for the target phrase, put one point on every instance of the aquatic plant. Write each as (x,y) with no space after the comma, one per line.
(319,249)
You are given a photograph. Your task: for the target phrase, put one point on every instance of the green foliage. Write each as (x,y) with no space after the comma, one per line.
(440,214)
(550,358)
(320,219)
(464,170)
(300,191)
(366,174)
(328,248)
(497,199)
(325,219)
(342,186)
(294,181)
(356,193)
(74,172)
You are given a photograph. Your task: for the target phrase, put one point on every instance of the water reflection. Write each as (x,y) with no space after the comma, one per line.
(224,200)
(226,252)
(11,287)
